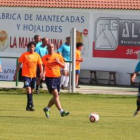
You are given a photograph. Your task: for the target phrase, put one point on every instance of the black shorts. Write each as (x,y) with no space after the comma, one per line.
(29,82)
(53,83)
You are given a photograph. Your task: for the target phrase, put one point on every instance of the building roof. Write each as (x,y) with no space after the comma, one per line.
(76,4)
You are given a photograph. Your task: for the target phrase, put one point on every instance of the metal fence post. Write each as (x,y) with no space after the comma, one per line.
(17,73)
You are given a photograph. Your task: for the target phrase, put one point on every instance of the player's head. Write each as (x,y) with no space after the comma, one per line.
(37,38)
(45,41)
(79,46)
(50,48)
(31,47)
(68,40)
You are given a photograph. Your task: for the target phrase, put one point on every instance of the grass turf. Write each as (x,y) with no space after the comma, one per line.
(116,120)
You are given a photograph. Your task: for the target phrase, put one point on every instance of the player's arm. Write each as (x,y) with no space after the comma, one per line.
(17,69)
(61,63)
(137,69)
(59,51)
(134,76)
(79,59)
(40,65)
(44,72)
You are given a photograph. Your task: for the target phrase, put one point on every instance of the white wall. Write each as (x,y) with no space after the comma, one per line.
(121,65)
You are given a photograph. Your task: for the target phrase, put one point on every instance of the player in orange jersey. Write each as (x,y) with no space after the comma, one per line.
(79,47)
(52,63)
(30,60)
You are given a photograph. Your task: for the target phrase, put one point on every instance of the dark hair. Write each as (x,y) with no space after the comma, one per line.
(79,44)
(30,43)
(36,36)
(43,39)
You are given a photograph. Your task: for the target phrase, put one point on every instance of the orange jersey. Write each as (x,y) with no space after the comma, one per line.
(78,56)
(52,68)
(29,61)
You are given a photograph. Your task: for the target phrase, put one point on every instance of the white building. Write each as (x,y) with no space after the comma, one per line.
(110,31)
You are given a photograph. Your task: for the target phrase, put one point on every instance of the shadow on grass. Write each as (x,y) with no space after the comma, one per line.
(15,91)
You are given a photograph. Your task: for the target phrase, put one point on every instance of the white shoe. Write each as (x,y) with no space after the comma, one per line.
(136,113)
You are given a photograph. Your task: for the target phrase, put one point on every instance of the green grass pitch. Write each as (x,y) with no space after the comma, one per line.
(116,117)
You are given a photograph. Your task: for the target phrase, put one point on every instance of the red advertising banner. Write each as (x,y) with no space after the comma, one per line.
(116,38)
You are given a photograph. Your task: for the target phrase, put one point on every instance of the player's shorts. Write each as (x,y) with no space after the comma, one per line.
(29,82)
(77,71)
(53,83)
(67,66)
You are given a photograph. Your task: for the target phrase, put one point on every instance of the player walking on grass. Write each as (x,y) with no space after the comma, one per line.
(79,47)
(30,60)
(41,50)
(137,69)
(65,51)
(52,63)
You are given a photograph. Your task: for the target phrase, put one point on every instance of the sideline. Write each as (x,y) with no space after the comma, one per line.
(86,89)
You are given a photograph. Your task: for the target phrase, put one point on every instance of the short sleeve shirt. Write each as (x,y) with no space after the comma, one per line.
(52,68)
(65,51)
(42,51)
(78,56)
(29,61)
(38,46)
(137,69)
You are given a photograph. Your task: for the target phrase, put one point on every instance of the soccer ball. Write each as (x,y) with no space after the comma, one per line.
(94,117)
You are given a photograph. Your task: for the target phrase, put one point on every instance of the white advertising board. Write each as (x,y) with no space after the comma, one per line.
(7,73)
(18,27)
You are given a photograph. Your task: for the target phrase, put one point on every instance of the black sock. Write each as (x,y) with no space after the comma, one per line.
(31,100)
(41,82)
(37,86)
(27,99)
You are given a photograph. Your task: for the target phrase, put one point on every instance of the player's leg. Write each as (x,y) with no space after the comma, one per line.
(77,78)
(28,86)
(52,88)
(62,79)
(66,82)
(58,104)
(65,77)
(30,105)
(53,85)
(57,92)
(41,83)
(47,108)
(37,85)
(48,82)
(137,102)
(38,80)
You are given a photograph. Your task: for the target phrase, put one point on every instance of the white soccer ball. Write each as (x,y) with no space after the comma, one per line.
(94,117)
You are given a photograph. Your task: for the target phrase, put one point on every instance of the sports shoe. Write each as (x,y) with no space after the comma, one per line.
(64,113)
(27,108)
(62,87)
(77,86)
(41,86)
(47,112)
(37,92)
(30,109)
(136,113)
(66,88)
